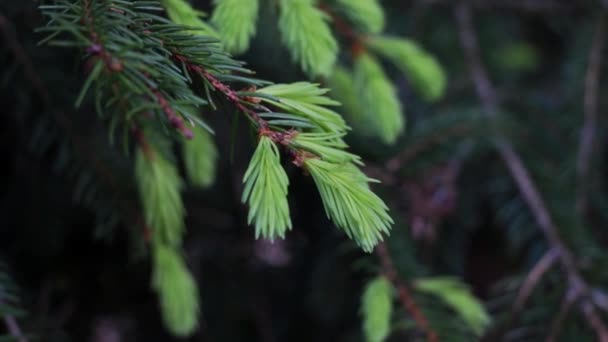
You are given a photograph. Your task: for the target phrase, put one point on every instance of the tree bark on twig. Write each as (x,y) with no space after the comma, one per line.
(404,293)
(590,108)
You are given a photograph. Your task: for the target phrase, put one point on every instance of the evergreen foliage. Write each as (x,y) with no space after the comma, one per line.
(349,202)
(366,15)
(136,107)
(236,21)
(266,192)
(308,101)
(378,99)
(200,158)
(376,308)
(421,68)
(306,33)
(159,186)
(177,290)
(182,13)
(457,296)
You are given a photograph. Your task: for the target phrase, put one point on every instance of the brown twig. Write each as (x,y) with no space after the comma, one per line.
(97,48)
(487,95)
(13,328)
(590,107)
(564,310)
(343,28)
(405,296)
(533,278)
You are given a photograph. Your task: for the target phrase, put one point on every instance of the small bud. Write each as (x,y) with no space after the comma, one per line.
(187,132)
(94,49)
(115,65)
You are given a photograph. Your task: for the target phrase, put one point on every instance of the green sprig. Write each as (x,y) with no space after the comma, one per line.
(159,187)
(379,100)
(349,202)
(176,289)
(266,192)
(307,35)
(366,15)
(376,309)
(307,100)
(200,158)
(235,21)
(421,68)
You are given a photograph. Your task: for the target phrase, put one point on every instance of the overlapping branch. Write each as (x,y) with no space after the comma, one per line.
(577,286)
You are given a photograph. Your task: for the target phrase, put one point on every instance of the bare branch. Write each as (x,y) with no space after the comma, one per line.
(487,95)
(564,310)
(534,277)
(13,327)
(590,105)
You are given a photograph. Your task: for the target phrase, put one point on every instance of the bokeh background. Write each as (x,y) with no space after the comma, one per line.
(457,209)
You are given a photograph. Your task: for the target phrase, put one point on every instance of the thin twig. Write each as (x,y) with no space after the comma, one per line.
(487,95)
(564,310)
(533,278)
(590,106)
(13,328)
(405,296)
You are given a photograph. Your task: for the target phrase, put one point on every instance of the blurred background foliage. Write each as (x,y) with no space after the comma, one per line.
(460,217)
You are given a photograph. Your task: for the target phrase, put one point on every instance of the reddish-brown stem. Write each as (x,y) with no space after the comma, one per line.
(175,120)
(111,63)
(282,138)
(343,28)
(405,296)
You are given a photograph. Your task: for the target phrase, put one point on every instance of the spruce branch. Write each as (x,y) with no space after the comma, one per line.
(130,212)
(322,152)
(487,96)
(266,192)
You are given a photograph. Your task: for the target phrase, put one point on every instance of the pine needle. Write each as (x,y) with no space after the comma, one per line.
(306,34)
(376,309)
(349,202)
(266,192)
(378,98)
(421,68)
(236,23)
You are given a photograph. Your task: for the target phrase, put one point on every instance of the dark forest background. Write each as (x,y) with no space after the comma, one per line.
(536,65)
